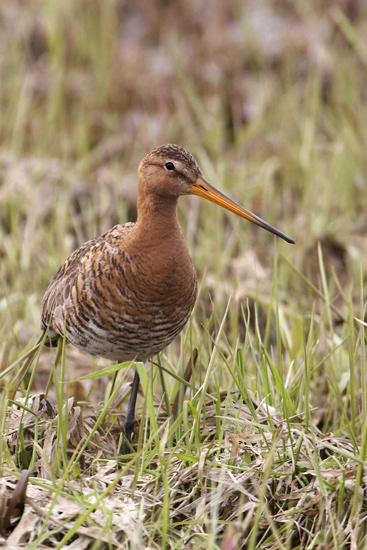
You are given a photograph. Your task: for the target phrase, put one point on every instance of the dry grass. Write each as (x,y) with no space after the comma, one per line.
(269,447)
(312,493)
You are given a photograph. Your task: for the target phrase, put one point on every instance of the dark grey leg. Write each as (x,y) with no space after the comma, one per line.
(130,415)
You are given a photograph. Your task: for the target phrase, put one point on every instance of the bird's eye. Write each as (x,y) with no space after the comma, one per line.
(169,166)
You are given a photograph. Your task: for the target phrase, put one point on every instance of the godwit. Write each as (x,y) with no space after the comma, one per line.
(126,294)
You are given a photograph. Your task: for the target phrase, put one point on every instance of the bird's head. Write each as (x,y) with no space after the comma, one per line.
(172,171)
(169,170)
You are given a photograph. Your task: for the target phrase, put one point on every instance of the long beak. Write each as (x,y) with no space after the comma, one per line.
(202,188)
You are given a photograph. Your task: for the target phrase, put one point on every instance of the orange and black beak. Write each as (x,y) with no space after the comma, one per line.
(202,188)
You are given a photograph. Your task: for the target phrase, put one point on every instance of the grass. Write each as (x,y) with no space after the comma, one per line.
(269,445)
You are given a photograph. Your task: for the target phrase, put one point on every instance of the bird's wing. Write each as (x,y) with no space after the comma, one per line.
(82,265)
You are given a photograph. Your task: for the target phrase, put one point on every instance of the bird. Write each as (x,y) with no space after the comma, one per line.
(126,294)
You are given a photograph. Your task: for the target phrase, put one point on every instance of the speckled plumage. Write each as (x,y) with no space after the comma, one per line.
(126,294)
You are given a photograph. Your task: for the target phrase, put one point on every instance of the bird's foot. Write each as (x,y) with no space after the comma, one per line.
(129,432)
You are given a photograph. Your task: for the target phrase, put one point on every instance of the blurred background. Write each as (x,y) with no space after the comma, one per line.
(269,96)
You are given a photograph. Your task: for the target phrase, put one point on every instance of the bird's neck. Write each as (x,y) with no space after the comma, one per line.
(157,214)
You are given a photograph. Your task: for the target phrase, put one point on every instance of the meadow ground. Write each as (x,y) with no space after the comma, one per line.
(269,447)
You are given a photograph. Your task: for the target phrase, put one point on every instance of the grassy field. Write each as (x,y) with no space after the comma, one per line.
(269,447)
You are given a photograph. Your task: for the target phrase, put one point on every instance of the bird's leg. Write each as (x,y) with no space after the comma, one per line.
(130,415)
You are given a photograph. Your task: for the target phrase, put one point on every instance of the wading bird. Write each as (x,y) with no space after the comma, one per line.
(126,294)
